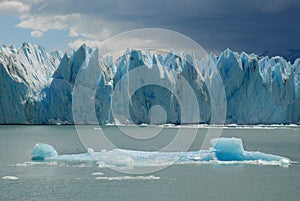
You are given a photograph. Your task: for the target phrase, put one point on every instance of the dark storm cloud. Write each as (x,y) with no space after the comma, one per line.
(252,26)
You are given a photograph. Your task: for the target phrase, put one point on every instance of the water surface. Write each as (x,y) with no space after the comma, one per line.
(22,179)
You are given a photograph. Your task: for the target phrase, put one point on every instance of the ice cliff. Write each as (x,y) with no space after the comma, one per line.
(24,74)
(37,87)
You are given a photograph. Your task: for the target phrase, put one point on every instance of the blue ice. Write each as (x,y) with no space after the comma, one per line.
(222,150)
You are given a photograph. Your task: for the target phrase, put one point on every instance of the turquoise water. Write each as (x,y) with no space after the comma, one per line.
(86,181)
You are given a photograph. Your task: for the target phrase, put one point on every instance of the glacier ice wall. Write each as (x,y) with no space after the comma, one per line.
(259,90)
(24,74)
(38,87)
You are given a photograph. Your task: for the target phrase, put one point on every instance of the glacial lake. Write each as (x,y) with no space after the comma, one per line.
(23,179)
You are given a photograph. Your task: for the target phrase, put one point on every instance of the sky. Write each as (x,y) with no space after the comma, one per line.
(253,26)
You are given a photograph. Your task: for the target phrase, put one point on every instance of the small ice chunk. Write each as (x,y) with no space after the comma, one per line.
(97,173)
(10,178)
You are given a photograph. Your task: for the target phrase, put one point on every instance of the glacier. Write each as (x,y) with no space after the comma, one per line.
(39,87)
(223,150)
(24,74)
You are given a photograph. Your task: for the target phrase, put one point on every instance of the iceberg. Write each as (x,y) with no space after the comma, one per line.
(222,150)
(231,149)
(43,151)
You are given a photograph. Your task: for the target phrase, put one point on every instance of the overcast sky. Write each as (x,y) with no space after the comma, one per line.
(242,25)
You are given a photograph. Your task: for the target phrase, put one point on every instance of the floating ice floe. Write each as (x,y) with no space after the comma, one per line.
(120,178)
(223,151)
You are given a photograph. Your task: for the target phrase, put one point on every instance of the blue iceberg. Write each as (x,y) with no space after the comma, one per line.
(222,150)
(231,149)
(43,151)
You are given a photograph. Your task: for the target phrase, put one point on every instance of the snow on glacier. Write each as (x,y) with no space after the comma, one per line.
(222,150)
(24,73)
(38,87)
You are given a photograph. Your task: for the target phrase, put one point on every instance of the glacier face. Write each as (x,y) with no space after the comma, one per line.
(38,87)
(24,74)
(264,90)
